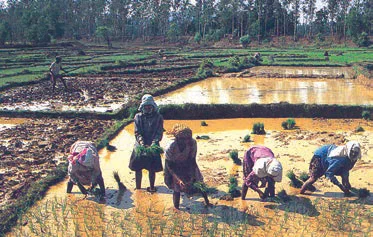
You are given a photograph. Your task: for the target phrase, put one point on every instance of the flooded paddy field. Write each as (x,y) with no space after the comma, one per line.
(137,212)
(109,93)
(232,90)
(105,80)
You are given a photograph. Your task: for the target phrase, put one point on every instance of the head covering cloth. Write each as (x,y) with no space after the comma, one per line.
(345,151)
(147,99)
(180,131)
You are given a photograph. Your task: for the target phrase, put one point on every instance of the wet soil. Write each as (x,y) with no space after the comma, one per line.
(30,150)
(137,212)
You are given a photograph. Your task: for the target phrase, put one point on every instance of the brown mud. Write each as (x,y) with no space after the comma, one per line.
(140,213)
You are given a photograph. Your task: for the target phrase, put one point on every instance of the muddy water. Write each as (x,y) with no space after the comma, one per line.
(138,213)
(232,90)
(347,72)
(10,122)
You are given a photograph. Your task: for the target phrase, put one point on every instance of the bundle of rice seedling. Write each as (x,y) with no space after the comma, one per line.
(111,147)
(294,181)
(363,193)
(121,186)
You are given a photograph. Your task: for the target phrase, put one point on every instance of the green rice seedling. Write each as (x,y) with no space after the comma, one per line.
(233,190)
(363,193)
(294,181)
(258,128)
(233,154)
(304,176)
(359,129)
(247,138)
(110,147)
(288,124)
(203,137)
(366,115)
(203,123)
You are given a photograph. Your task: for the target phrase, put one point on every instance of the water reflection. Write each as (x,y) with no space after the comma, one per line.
(224,90)
(346,72)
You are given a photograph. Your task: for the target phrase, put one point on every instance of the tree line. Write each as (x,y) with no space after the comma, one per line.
(43,21)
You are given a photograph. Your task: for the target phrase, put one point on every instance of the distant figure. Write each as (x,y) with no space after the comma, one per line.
(271,58)
(260,164)
(84,168)
(148,134)
(54,71)
(326,54)
(181,169)
(331,160)
(258,56)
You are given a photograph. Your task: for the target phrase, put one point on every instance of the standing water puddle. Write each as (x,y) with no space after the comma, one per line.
(138,213)
(228,90)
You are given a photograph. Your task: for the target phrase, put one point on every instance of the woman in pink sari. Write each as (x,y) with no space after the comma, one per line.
(260,164)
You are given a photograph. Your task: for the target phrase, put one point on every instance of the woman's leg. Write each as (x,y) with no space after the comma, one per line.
(244,191)
(176,199)
(100,182)
(271,187)
(152,180)
(204,194)
(138,177)
(70,185)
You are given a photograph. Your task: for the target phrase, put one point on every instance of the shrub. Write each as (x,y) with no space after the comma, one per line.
(258,128)
(365,114)
(246,138)
(245,41)
(197,37)
(288,124)
(205,69)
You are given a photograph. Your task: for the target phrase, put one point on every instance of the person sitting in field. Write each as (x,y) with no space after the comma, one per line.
(84,168)
(260,164)
(181,169)
(148,134)
(54,71)
(331,160)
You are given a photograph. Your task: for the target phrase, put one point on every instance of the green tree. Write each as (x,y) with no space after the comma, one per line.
(4,32)
(104,33)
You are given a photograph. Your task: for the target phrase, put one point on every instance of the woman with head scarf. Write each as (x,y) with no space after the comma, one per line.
(331,160)
(260,164)
(148,134)
(84,168)
(181,169)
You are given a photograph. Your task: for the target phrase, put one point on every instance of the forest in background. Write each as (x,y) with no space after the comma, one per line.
(180,21)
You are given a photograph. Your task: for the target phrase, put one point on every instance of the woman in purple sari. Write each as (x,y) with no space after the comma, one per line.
(260,164)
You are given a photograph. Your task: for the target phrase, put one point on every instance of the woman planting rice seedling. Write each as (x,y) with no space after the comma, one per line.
(84,168)
(181,169)
(331,160)
(260,164)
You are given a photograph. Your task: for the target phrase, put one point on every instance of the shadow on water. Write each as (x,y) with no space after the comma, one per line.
(226,214)
(299,205)
(116,198)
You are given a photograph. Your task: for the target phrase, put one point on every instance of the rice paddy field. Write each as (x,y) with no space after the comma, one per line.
(37,127)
